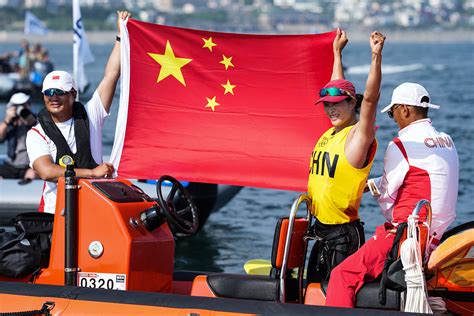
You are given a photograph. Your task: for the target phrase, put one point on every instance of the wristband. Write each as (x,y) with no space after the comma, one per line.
(117,38)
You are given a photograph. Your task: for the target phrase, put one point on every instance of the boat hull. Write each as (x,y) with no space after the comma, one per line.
(81,301)
(11,83)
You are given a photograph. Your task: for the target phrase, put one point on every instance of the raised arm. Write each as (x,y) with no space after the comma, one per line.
(372,88)
(363,135)
(338,45)
(106,88)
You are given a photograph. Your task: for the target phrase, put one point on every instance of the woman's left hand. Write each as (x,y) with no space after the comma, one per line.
(377,40)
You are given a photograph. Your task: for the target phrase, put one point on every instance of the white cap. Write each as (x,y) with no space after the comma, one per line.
(59,80)
(410,94)
(18,98)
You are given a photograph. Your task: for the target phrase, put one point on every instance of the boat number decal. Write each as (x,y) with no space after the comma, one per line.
(108,281)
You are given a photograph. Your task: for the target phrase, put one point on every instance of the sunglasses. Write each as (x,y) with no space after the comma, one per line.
(53,91)
(334,92)
(390,112)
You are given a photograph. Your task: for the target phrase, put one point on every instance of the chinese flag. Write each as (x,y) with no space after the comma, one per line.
(220,107)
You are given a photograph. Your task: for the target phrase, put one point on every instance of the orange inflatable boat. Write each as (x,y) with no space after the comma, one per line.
(112,253)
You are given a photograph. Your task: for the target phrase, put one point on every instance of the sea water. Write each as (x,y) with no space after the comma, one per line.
(243,229)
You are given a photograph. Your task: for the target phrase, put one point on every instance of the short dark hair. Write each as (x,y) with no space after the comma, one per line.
(423,111)
(420,111)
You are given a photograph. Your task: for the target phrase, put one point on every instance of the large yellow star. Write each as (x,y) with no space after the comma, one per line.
(212,103)
(229,88)
(226,61)
(170,64)
(208,43)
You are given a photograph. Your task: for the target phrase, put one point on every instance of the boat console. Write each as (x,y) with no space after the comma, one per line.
(123,241)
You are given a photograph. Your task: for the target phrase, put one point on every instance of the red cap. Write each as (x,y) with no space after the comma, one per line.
(341,84)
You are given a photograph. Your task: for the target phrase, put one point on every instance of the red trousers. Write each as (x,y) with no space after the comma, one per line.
(365,265)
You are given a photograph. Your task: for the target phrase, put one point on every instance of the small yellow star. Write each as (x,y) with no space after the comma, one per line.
(208,43)
(211,103)
(228,87)
(226,61)
(170,64)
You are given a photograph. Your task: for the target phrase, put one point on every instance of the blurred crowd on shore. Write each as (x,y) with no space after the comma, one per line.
(30,61)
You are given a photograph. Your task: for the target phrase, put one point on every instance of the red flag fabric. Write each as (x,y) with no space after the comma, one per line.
(220,107)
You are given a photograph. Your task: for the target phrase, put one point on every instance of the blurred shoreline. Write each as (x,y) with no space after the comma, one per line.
(416,36)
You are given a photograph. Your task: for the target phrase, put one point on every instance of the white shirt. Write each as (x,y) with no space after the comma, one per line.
(433,152)
(39,144)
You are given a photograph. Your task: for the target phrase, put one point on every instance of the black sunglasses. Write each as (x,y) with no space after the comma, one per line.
(390,112)
(53,91)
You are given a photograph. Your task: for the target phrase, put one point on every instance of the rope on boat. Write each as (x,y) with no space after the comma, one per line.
(437,304)
(416,296)
(45,310)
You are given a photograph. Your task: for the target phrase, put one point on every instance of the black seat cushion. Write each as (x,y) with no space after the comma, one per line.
(242,286)
(368,296)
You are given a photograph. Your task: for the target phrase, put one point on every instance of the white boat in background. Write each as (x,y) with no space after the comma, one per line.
(11,83)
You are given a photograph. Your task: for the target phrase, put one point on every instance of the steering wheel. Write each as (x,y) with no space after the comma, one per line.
(181,212)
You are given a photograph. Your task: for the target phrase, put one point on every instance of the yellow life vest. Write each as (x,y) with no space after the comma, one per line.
(334,185)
